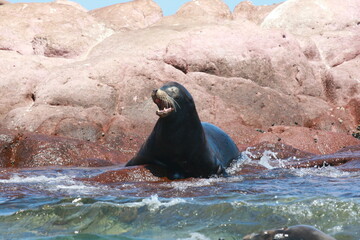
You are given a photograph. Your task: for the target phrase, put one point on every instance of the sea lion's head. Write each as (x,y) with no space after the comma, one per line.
(290,233)
(172,98)
(266,235)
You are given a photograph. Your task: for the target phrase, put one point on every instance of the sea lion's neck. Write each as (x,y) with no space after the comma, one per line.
(179,127)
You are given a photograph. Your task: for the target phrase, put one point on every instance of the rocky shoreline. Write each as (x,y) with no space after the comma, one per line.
(75,84)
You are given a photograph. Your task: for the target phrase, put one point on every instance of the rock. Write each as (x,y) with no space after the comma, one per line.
(198,12)
(245,78)
(71,3)
(331,45)
(353,108)
(62,88)
(129,174)
(345,159)
(253,13)
(308,17)
(242,100)
(29,150)
(278,150)
(343,82)
(309,140)
(132,15)
(248,52)
(51,119)
(29,29)
(3,2)
(215,9)
(20,76)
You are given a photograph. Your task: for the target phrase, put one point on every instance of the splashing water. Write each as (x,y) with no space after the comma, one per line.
(51,204)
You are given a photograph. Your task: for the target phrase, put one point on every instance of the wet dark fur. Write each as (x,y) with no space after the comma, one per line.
(299,232)
(183,145)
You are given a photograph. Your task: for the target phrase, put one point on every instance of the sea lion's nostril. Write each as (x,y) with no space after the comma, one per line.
(154,92)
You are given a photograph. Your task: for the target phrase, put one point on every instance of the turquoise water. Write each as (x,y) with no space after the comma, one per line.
(52,204)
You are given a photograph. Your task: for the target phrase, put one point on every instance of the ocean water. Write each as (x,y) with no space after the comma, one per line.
(56,204)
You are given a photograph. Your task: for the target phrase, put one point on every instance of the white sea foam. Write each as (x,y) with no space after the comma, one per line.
(321,172)
(266,157)
(236,165)
(153,203)
(195,236)
(56,183)
(246,158)
(184,185)
(34,179)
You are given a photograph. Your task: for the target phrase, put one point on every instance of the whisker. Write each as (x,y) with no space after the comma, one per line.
(174,101)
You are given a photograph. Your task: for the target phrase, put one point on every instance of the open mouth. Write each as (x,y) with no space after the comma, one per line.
(164,103)
(165,108)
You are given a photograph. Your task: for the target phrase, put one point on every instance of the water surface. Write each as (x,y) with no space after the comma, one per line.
(55,204)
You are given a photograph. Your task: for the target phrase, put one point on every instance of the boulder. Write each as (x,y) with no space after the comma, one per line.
(247,10)
(3,2)
(71,3)
(255,82)
(308,17)
(29,150)
(132,15)
(342,82)
(20,77)
(306,139)
(215,9)
(331,45)
(48,29)
(198,12)
(269,58)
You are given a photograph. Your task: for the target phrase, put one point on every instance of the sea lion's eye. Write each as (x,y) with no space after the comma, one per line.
(173,92)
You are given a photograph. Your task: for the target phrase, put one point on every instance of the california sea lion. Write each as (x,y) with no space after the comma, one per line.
(299,232)
(180,143)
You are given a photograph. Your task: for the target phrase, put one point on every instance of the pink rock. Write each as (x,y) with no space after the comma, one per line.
(269,58)
(71,3)
(20,76)
(66,121)
(29,150)
(136,14)
(309,140)
(308,17)
(343,82)
(244,78)
(354,109)
(205,8)
(29,29)
(331,45)
(198,12)
(253,13)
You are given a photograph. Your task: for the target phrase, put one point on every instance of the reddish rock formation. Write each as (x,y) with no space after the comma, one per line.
(205,9)
(256,14)
(130,15)
(29,150)
(71,3)
(2,2)
(30,29)
(347,159)
(88,82)
(307,17)
(306,139)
